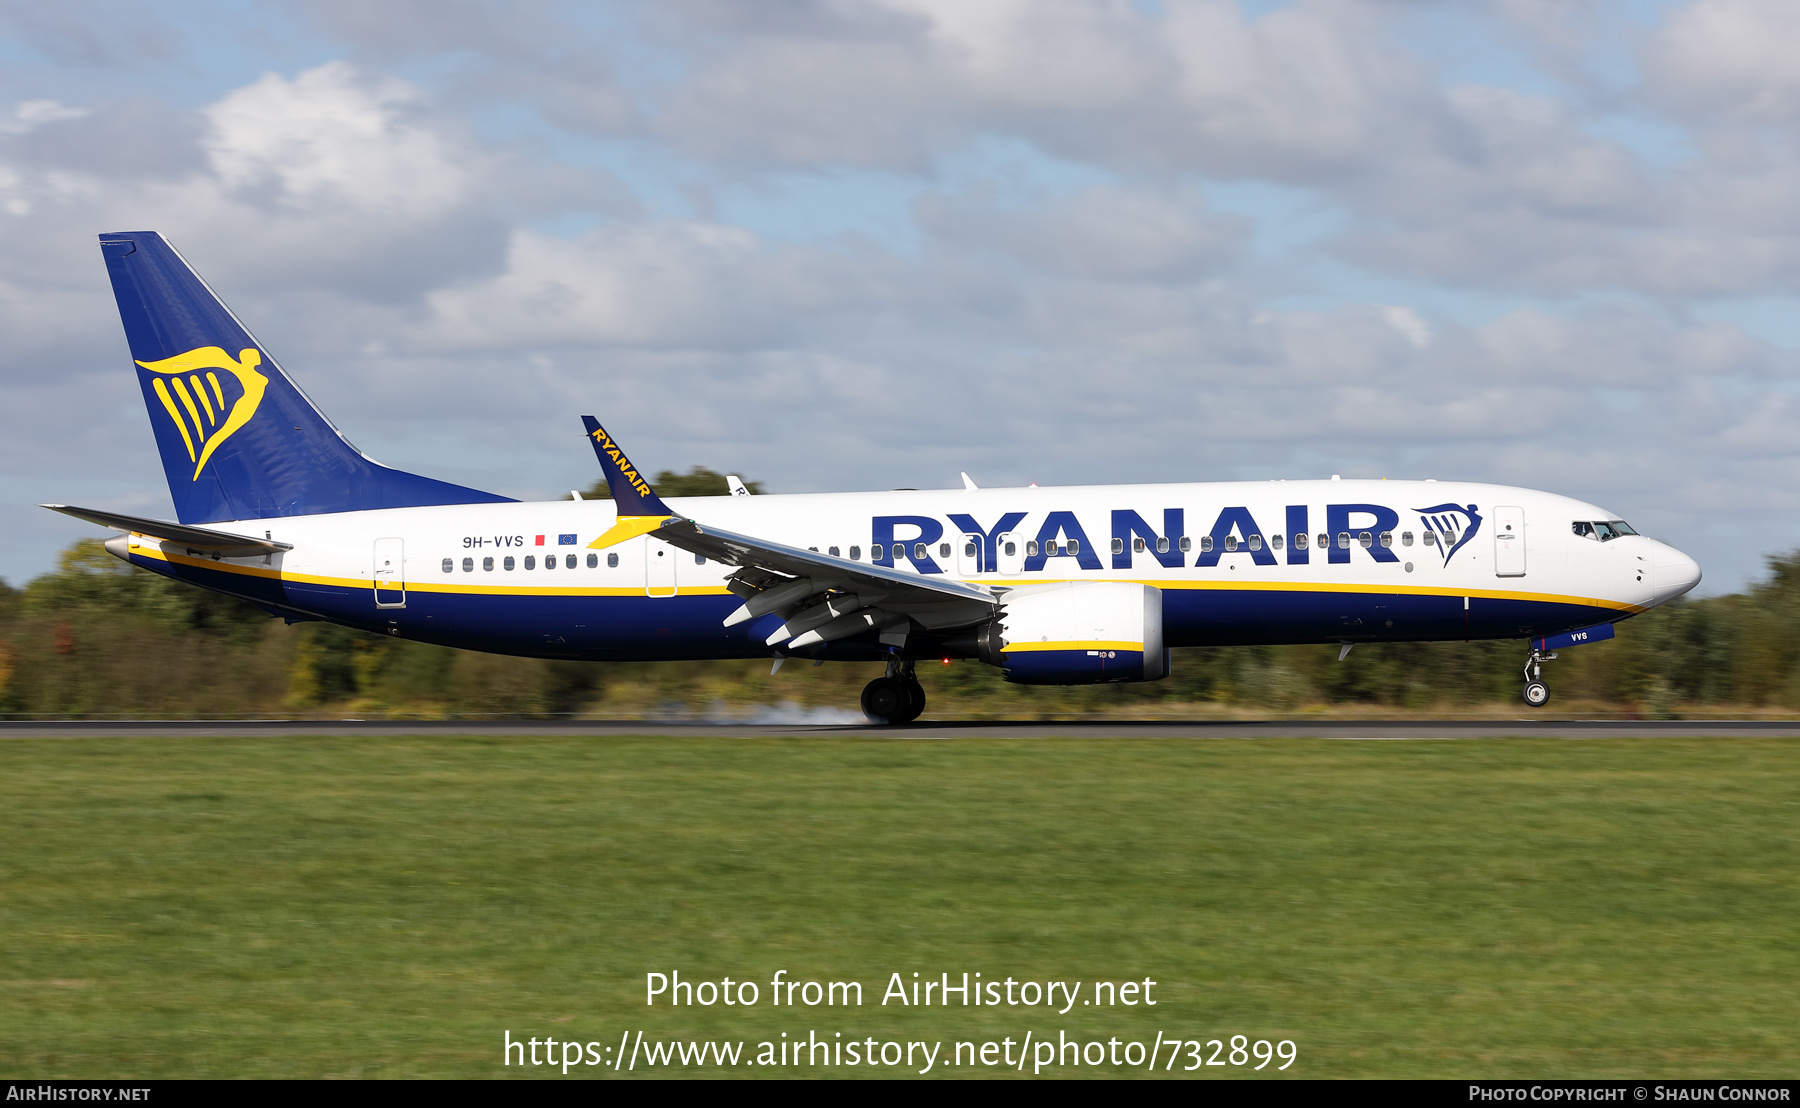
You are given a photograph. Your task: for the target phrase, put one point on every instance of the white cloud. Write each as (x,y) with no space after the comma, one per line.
(28,115)
(329,139)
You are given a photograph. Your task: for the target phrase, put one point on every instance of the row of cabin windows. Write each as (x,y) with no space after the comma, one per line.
(1185,544)
(531,562)
(920,552)
(569,562)
(1071,547)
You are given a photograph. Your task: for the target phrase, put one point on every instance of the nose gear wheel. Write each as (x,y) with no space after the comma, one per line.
(1535,693)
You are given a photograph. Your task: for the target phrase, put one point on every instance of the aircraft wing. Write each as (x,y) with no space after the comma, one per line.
(204,539)
(822,598)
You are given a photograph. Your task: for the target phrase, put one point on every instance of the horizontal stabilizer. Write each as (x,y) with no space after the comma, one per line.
(194,538)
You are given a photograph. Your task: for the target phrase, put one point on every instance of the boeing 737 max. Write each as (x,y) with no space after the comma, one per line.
(1054,585)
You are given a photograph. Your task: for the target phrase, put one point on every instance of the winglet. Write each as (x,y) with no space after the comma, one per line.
(640,509)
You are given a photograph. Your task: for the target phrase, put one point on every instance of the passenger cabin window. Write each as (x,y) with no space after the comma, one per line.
(1187,544)
(943,550)
(1431,538)
(1406,538)
(899,551)
(1050,549)
(449,564)
(1012,548)
(968,550)
(509,563)
(1256,542)
(1118,545)
(1030,548)
(1343,540)
(1387,538)
(549,561)
(1299,541)
(612,561)
(1324,540)
(569,562)
(856,553)
(1162,545)
(699,559)
(1206,544)
(1366,539)
(530,561)
(468,565)
(833,551)
(1275,541)
(1072,547)
(487,565)
(1230,542)
(593,561)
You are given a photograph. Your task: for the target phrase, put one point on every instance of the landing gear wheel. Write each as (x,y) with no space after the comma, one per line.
(1536,693)
(888,700)
(917,708)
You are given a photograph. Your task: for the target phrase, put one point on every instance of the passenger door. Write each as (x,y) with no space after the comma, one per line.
(1509,542)
(390,573)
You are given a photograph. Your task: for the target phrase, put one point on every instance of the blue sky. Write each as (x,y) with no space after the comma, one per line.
(844,245)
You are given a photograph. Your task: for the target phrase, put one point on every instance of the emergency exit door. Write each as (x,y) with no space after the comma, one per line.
(1509,542)
(390,573)
(659,568)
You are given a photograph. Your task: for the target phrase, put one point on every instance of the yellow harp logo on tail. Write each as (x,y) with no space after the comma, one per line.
(190,390)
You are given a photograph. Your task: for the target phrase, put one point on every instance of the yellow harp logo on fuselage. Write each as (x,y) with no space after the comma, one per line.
(196,401)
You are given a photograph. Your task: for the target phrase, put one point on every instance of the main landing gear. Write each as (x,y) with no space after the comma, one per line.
(896,697)
(1536,693)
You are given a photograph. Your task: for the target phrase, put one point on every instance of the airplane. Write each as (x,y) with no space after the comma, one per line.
(1052,585)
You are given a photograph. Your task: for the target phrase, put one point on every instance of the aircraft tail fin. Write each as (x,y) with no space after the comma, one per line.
(238,438)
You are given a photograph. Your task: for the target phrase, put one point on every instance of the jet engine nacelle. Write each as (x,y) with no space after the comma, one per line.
(1080,634)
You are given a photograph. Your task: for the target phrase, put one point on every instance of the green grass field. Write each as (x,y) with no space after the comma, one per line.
(389,906)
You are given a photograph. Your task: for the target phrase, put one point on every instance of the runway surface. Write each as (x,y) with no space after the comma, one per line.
(1281,729)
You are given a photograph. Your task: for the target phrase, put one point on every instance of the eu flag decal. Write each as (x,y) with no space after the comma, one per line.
(565,540)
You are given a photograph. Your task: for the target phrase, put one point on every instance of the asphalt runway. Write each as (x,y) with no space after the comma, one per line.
(942,730)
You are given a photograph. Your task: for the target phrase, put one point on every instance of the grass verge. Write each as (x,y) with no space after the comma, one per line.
(390,906)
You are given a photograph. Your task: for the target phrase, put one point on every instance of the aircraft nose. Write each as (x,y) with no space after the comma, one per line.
(1672,573)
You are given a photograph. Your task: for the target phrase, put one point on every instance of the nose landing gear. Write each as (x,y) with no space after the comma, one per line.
(896,697)
(1536,693)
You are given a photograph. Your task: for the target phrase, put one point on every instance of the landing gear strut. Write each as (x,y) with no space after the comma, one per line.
(896,697)
(1536,693)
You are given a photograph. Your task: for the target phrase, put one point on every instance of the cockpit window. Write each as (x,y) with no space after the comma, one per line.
(1604,530)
